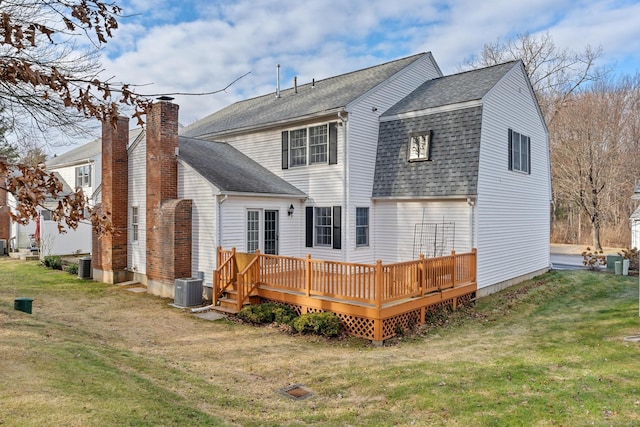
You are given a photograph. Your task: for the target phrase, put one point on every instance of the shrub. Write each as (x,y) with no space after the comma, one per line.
(593,259)
(267,313)
(53,261)
(632,256)
(72,269)
(327,324)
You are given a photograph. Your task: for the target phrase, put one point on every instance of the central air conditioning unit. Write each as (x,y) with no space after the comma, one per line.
(188,292)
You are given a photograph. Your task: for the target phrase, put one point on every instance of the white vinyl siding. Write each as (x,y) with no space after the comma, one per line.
(202,194)
(233,222)
(513,208)
(136,250)
(395,225)
(362,131)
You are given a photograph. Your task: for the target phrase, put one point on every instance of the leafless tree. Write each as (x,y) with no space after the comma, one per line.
(594,149)
(555,73)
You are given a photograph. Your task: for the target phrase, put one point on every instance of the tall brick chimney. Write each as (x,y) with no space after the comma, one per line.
(168,245)
(110,256)
(4,210)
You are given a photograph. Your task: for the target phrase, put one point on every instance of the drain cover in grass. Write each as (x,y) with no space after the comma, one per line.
(296,392)
(633,338)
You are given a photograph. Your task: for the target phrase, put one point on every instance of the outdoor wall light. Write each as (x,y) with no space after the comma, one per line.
(290,210)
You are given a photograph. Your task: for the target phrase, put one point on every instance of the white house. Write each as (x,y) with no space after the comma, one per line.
(382,163)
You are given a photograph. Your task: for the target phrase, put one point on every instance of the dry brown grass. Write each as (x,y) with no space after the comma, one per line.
(95,354)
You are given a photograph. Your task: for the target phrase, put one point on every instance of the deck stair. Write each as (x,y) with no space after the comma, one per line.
(228,301)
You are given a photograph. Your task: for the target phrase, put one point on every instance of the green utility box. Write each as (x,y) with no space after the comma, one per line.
(23,304)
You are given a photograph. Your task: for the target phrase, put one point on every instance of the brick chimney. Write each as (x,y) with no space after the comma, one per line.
(110,251)
(4,210)
(168,219)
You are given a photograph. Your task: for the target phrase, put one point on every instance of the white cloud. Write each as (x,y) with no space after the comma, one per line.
(196,46)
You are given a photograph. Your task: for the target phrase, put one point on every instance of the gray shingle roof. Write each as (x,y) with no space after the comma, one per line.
(454,154)
(468,86)
(81,153)
(85,151)
(325,95)
(232,171)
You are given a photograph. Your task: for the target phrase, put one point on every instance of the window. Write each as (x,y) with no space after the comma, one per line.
(134,223)
(83,176)
(318,144)
(323,226)
(362,226)
(298,140)
(519,152)
(419,146)
(253,231)
(310,146)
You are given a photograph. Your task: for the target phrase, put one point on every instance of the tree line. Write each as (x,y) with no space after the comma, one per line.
(49,81)
(593,117)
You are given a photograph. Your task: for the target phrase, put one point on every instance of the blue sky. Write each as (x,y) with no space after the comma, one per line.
(202,45)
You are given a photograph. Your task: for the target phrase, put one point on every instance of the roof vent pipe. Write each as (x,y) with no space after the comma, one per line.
(295,84)
(278,81)
(313,83)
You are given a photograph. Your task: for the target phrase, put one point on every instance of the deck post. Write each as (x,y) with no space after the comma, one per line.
(218,256)
(240,291)
(307,274)
(216,282)
(378,284)
(474,264)
(423,275)
(453,273)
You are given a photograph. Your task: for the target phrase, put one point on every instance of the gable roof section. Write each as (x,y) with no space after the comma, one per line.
(78,155)
(85,152)
(231,171)
(452,170)
(322,97)
(454,89)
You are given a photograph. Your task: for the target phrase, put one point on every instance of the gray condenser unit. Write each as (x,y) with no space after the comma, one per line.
(84,268)
(188,292)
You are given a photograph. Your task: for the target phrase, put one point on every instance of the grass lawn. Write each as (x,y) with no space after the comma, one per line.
(548,352)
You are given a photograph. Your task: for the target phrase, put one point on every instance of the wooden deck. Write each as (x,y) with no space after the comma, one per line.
(373,301)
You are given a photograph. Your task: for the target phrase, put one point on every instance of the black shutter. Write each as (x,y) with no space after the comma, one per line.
(430,144)
(529,155)
(309,227)
(285,150)
(510,150)
(333,143)
(337,229)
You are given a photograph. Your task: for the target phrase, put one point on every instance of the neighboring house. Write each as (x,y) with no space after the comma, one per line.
(77,168)
(382,163)
(635,220)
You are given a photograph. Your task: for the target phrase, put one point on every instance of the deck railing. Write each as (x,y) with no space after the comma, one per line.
(375,284)
(225,274)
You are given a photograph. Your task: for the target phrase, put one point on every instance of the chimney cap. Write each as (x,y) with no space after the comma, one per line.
(164,98)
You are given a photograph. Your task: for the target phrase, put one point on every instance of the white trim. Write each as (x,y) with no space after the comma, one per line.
(433,110)
(431,198)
